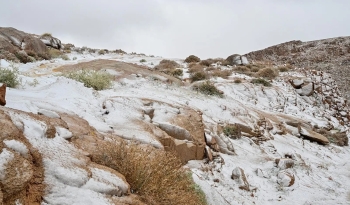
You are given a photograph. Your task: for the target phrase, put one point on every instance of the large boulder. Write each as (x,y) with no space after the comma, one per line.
(12,39)
(51,41)
(313,136)
(236,59)
(285,178)
(2,95)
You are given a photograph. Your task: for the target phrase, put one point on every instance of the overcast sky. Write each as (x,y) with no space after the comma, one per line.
(178,28)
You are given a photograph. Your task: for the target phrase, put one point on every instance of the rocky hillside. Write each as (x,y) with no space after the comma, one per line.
(170,131)
(329,55)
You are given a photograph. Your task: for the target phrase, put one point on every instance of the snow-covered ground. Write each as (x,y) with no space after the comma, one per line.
(321,172)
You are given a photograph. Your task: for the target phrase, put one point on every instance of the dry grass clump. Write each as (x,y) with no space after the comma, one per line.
(23,57)
(46,35)
(166,65)
(54,53)
(221,73)
(338,138)
(155,175)
(261,81)
(208,88)
(101,52)
(192,59)
(269,73)
(197,76)
(120,51)
(232,131)
(237,81)
(196,68)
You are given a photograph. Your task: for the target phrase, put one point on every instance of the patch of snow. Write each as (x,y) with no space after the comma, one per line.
(5,157)
(17,146)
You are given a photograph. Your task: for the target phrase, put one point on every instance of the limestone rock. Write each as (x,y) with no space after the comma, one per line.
(285,178)
(236,59)
(284,163)
(306,90)
(239,176)
(51,41)
(3,95)
(313,136)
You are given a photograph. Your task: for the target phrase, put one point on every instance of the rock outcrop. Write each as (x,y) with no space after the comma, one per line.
(236,59)
(3,95)
(239,176)
(51,41)
(12,41)
(330,55)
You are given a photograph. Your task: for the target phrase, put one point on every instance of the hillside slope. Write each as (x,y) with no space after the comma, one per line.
(331,55)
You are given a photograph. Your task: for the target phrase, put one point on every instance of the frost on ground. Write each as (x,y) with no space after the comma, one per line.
(271,163)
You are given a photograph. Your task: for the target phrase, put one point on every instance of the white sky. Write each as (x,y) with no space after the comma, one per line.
(178,28)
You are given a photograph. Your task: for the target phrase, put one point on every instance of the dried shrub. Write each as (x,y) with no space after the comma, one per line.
(154,175)
(232,131)
(207,62)
(166,65)
(100,52)
(222,73)
(31,53)
(44,56)
(192,59)
(196,68)
(339,138)
(97,80)
(283,69)
(120,51)
(198,76)
(268,73)
(208,88)
(65,57)
(177,73)
(261,81)
(54,53)
(46,35)
(237,81)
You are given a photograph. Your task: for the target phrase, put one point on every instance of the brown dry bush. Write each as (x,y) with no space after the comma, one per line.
(166,65)
(196,68)
(54,53)
(155,175)
(268,73)
(192,59)
(221,73)
(339,138)
(198,76)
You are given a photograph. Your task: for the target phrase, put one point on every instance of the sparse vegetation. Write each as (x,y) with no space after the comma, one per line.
(65,57)
(195,68)
(9,76)
(232,131)
(338,138)
(237,81)
(166,65)
(283,69)
(154,175)
(261,81)
(198,76)
(46,35)
(222,73)
(269,73)
(208,88)
(101,52)
(177,73)
(74,58)
(143,61)
(97,80)
(192,59)
(54,53)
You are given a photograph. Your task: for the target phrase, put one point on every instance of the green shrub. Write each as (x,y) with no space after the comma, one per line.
(208,88)
(100,52)
(143,60)
(9,76)
(97,80)
(65,57)
(261,81)
(192,59)
(232,131)
(198,76)
(74,58)
(54,53)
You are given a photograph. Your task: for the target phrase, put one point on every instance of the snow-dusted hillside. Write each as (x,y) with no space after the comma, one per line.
(272,163)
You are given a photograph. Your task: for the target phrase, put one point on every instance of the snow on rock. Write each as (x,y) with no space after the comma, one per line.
(63,132)
(285,178)
(17,146)
(48,113)
(5,157)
